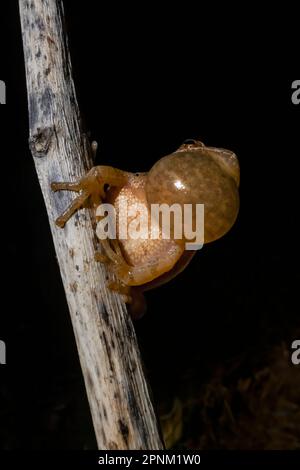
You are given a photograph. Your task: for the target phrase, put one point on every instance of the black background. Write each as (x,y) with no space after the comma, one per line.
(146,81)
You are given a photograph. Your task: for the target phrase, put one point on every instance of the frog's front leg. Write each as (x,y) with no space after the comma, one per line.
(91,188)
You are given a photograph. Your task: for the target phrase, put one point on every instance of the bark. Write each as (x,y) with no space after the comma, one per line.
(118,395)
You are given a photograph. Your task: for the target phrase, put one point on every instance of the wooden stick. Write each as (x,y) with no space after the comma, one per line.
(121,408)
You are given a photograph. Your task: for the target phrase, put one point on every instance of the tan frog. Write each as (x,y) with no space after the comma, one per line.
(193,174)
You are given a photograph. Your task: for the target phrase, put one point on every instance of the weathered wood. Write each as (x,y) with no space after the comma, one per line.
(121,408)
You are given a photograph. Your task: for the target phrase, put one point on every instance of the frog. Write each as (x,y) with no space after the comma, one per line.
(193,174)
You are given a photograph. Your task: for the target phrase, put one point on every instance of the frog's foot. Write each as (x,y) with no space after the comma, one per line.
(90,195)
(115,260)
(91,188)
(121,289)
(132,296)
(112,256)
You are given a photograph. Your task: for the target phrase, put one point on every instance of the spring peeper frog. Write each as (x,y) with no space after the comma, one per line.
(193,174)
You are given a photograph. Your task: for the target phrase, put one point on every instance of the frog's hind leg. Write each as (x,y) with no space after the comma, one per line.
(137,275)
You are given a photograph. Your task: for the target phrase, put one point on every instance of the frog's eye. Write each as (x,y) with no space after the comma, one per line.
(190,144)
